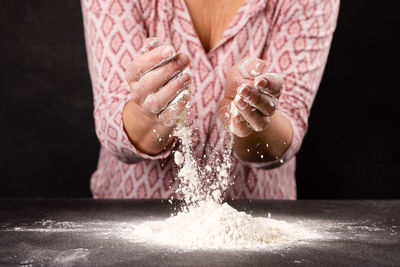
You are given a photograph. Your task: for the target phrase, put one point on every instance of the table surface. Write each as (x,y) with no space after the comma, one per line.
(87,232)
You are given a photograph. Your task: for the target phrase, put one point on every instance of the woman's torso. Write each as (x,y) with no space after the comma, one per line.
(245,35)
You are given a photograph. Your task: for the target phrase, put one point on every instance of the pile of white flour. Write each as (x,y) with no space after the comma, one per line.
(205,222)
(213,225)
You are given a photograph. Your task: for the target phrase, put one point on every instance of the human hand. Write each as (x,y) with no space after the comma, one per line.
(159,80)
(251,97)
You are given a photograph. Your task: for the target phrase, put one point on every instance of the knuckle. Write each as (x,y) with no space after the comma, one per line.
(157,107)
(129,73)
(138,69)
(145,83)
(134,71)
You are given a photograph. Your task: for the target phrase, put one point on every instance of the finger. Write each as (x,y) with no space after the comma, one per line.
(250,68)
(238,125)
(256,119)
(235,78)
(157,102)
(171,113)
(265,103)
(151,43)
(149,61)
(270,83)
(157,78)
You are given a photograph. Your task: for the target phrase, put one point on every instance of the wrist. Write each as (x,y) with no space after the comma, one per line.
(145,133)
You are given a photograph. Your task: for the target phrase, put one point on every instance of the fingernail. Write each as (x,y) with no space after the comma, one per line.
(183,77)
(171,122)
(150,44)
(186,85)
(240,102)
(245,91)
(183,59)
(261,84)
(168,52)
(251,68)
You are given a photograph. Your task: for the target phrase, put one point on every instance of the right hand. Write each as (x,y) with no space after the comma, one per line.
(159,85)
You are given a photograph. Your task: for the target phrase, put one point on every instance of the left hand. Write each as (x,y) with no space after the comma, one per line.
(250,98)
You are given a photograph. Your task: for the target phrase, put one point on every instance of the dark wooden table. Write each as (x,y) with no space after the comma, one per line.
(76,232)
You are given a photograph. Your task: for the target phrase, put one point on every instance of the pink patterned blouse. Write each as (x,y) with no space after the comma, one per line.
(292,36)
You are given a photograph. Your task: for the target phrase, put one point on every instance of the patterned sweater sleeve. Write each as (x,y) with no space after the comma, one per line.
(297,49)
(114,34)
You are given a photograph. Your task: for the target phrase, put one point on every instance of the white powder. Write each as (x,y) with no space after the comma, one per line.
(205,222)
(190,184)
(214,225)
(178,158)
(199,183)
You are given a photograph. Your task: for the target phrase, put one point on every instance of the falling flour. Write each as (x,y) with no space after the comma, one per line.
(205,221)
(199,183)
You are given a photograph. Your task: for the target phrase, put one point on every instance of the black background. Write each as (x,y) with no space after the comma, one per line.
(48,147)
